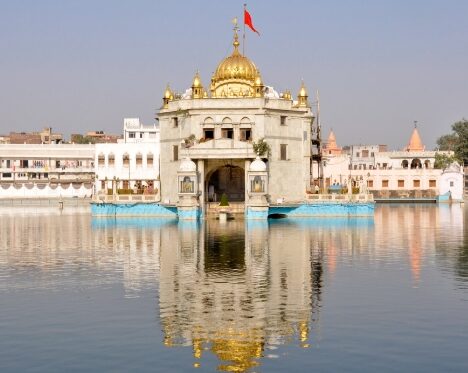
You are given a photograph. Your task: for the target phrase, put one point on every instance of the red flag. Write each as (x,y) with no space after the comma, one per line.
(248,21)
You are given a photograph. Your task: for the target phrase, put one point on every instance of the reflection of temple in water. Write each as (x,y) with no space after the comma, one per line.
(231,291)
(235,290)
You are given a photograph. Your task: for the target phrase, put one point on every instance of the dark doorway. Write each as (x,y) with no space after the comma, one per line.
(229,180)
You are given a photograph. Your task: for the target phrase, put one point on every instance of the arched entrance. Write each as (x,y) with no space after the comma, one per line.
(227,179)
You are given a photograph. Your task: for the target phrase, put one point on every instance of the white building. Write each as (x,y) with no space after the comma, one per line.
(136,132)
(46,170)
(130,166)
(409,173)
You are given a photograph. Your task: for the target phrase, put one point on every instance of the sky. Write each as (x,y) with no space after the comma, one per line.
(78,66)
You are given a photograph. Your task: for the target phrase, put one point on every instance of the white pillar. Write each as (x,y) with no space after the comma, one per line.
(201,183)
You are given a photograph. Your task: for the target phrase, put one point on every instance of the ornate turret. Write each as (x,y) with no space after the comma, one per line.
(197,88)
(302,96)
(168,96)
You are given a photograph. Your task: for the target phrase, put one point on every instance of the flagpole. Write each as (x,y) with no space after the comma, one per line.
(243,36)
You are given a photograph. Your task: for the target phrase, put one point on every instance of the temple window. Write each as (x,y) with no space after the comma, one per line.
(139,159)
(384,183)
(227,133)
(283,152)
(175,122)
(175,152)
(416,183)
(358,154)
(283,120)
(131,135)
(370,183)
(432,184)
(126,160)
(149,160)
(186,185)
(101,160)
(208,133)
(365,153)
(427,164)
(245,134)
(401,183)
(111,160)
(404,164)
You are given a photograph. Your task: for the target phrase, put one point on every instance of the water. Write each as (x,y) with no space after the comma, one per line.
(79,294)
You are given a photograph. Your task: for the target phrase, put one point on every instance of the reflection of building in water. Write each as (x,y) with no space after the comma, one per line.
(415,231)
(68,242)
(235,291)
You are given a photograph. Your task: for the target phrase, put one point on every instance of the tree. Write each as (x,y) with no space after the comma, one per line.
(456,141)
(461,147)
(447,142)
(261,148)
(442,161)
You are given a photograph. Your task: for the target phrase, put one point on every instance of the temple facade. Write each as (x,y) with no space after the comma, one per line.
(224,127)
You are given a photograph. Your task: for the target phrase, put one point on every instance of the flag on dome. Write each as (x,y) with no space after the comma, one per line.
(248,20)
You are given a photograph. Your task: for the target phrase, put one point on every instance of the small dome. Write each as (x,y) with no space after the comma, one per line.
(258,80)
(302,91)
(167,92)
(196,81)
(187,165)
(258,165)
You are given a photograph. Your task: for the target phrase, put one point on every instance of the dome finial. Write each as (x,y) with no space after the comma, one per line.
(236,40)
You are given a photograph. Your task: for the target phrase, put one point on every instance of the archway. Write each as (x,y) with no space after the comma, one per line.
(229,180)
(416,163)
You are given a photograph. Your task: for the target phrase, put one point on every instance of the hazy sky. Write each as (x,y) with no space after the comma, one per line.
(379,65)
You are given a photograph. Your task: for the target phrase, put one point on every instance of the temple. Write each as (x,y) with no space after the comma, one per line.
(240,138)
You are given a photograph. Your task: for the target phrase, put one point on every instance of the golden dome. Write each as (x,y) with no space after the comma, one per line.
(303,91)
(236,66)
(196,81)
(258,80)
(167,92)
(235,76)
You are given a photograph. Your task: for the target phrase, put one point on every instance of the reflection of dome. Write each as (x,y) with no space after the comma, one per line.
(258,165)
(187,165)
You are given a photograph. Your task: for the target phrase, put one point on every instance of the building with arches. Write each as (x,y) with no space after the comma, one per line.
(217,126)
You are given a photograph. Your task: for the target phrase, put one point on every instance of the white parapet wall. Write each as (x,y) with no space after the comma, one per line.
(42,190)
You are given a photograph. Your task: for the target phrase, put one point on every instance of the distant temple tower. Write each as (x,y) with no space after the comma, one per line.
(415,144)
(331,148)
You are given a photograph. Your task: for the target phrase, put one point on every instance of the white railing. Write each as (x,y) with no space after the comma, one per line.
(127,198)
(340,197)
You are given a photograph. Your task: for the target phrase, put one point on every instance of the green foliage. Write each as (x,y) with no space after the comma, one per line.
(447,142)
(189,141)
(442,161)
(224,200)
(456,141)
(461,147)
(261,148)
(80,139)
